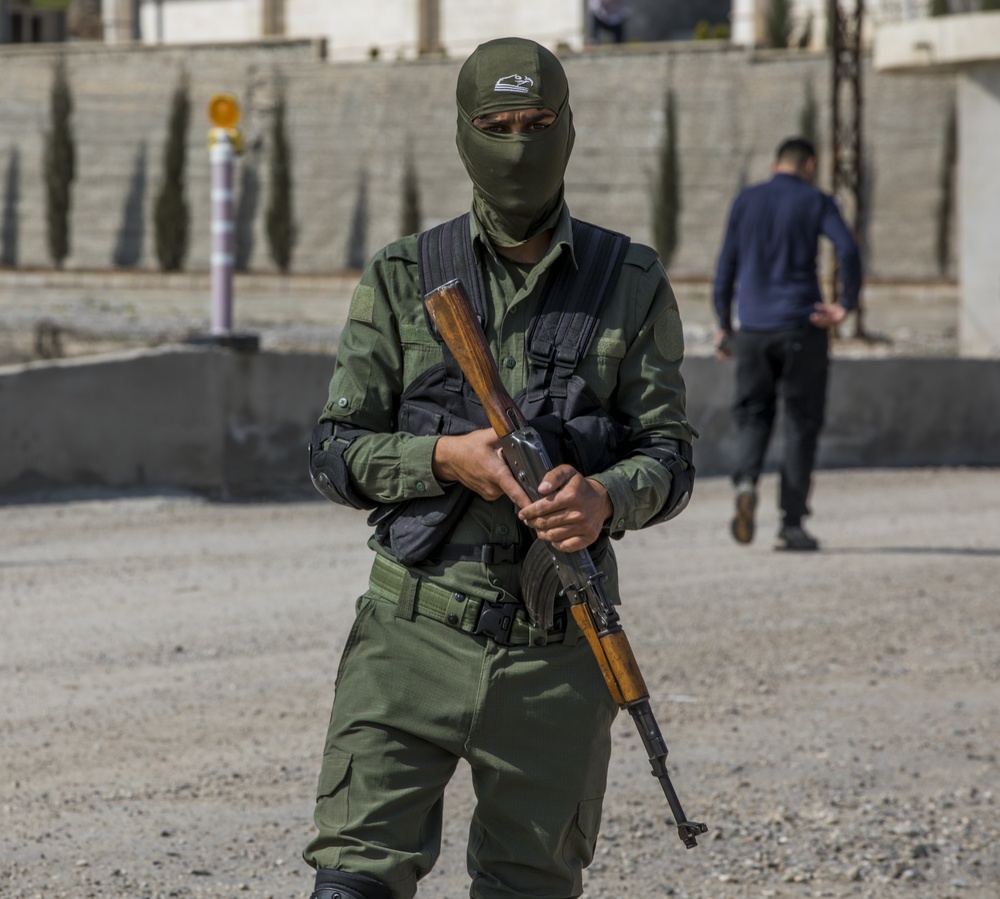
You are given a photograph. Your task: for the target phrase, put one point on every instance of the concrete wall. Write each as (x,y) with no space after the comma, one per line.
(233,424)
(968,45)
(979,202)
(353,124)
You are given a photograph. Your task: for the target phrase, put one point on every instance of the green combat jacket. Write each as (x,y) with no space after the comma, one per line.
(632,365)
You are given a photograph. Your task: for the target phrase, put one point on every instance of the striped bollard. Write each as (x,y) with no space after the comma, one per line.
(224,143)
(223,232)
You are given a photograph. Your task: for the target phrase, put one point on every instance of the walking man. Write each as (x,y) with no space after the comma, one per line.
(768,259)
(441,664)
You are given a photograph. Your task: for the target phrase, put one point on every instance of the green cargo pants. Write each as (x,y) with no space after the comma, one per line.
(413,696)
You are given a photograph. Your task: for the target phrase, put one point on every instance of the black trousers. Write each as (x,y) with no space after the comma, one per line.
(597,26)
(792,365)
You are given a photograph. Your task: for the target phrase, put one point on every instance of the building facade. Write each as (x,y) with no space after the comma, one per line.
(387,29)
(404,29)
(29,22)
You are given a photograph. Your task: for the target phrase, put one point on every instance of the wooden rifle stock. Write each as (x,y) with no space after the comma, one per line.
(451,312)
(594,612)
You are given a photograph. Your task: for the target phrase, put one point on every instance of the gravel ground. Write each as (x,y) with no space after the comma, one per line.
(167,666)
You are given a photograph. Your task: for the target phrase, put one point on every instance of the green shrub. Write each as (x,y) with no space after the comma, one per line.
(60,164)
(667,199)
(410,217)
(778,23)
(832,21)
(808,116)
(946,201)
(280,216)
(170,215)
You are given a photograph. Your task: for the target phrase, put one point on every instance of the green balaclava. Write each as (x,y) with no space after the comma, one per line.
(517,179)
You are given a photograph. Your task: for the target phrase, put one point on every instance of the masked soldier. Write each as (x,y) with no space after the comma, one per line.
(442,663)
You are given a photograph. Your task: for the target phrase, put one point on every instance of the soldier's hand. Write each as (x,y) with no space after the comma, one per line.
(475,461)
(572,509)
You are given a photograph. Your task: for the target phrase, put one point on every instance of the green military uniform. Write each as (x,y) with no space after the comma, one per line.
(416,691)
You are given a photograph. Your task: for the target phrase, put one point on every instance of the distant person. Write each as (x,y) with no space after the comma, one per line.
(608,16)
(782,345)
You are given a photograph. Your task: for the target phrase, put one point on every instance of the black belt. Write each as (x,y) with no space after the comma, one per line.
(502,622)
(487,553)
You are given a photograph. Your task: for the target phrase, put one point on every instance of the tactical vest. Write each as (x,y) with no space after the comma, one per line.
(573,424)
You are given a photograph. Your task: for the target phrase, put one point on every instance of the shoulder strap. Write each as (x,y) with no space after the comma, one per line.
(445,252)
(571,305)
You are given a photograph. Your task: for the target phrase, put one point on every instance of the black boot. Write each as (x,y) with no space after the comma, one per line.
(334,884)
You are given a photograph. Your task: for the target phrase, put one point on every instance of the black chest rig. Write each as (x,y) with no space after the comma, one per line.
(573,424)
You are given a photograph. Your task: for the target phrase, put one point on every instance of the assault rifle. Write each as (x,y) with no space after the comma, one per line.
(582,583)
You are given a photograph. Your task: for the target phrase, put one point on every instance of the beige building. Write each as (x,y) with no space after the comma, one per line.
(748,19)
(396,29)
(968,47)
(387,29)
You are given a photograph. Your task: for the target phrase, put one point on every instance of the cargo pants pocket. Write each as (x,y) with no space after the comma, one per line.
(362,608)
(333,793)
(581,840)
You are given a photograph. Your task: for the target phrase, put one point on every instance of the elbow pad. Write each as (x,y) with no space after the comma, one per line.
(676,457)
(327,468)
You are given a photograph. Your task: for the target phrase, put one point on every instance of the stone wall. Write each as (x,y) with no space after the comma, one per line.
(353,124)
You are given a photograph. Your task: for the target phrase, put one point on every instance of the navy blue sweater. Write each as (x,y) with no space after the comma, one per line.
(770,252)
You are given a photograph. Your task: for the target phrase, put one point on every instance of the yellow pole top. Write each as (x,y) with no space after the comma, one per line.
(224,111)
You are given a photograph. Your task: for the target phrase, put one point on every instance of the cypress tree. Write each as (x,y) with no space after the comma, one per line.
(60,163)
(946,201)
(280,216)
(667,203)
(808,116)
(171,215)
(832,22)
(778,24)
(410,217)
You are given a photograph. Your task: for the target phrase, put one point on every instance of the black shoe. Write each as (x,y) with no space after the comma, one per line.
(794,537)
(742,525)
(334,884)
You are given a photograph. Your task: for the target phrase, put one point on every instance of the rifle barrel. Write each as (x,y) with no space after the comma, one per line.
(656,749)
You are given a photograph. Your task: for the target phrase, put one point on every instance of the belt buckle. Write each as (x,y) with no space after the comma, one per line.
(496,620)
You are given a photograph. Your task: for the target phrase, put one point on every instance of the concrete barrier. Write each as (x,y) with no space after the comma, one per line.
(881,413)
(233,424)
(205,419)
